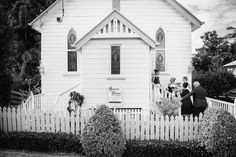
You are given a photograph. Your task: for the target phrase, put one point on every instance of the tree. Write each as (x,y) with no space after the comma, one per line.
(215,52)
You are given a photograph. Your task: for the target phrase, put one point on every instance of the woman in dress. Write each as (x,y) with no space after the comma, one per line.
(187,106)
(156,82)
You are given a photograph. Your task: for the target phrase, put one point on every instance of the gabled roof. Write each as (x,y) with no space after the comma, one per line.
(196,23)
(115,14)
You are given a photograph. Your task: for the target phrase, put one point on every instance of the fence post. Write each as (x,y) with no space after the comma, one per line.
(235,107)
(32,99)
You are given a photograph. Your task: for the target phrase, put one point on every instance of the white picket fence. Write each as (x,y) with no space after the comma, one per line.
(230,107)
(136,124)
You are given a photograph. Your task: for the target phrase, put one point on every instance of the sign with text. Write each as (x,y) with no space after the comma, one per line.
(114,94)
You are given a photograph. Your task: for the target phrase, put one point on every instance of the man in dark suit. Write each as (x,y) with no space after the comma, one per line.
(199,98)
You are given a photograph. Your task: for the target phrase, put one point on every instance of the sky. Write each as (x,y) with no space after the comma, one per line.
(217,15)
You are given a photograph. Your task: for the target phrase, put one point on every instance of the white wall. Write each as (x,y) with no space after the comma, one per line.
(149,15)
(82,16)
(96,58)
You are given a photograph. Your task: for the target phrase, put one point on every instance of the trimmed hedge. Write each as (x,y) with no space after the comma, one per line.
(102,135)
(157,148)
(68,143)
(41,142)
(218,132)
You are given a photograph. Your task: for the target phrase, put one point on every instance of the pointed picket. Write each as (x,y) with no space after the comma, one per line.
(137,125)
(167,128)
(162,127)
(57,122)
(32,120)
(147,126)
(1,116)
(172,127)
(82,120)
(181,127)
(78,128)
(67,121)
(9,119)
(127,122)
(5,119)
(47,116)
(72,120)
(23,119)
(53,122)
(191,128)
(18,119)
(177,125)
(152,126)
(13,119)
(142,126)
(158,127)
(37,122)
(62,121)
(186,128)
(132,123)
(195,127)
(43,121)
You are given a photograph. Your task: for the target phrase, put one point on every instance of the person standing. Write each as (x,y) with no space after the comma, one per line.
(187,106)
(199,98)
(157,85)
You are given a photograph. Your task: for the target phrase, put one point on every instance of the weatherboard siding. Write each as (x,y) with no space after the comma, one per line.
(82,16)
(134,60)
(149,15)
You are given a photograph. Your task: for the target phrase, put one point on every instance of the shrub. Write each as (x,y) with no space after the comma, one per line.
(169,106)
(102,135)
(218,132)
(158,148)
(216,83)
(41,142)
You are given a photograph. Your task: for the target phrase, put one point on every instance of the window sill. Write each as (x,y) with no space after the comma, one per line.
(164,73)
(71,74)
(114,77)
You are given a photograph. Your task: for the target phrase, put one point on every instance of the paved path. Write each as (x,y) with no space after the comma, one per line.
(12,153)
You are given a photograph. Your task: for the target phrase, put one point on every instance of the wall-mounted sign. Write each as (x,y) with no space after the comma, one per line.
(114,94)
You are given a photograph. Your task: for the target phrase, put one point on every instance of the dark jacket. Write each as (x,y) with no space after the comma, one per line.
(199,97)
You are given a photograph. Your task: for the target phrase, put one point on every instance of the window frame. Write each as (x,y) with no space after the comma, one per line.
(160,48)
(71,31)
(110,54)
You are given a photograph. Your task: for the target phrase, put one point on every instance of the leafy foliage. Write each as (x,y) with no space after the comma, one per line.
(169,106)
(41,142)
(156,148)
(20,45)
(76,99)
(216,83)
(215,52)
(218,132)
(102,135)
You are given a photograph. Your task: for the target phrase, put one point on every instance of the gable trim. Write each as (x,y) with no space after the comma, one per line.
(115,14)
(195,22)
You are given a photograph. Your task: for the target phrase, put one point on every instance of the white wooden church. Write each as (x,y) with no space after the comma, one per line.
(108,49)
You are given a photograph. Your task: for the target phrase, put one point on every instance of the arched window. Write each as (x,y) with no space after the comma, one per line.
(71,52)
(160,50)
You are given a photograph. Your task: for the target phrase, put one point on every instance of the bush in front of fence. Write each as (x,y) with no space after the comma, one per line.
(169,106)
(218,132)
(158,148)
(102,135)
(41,142)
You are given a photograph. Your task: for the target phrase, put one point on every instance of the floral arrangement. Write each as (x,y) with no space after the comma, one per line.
(169,106)
(76,99)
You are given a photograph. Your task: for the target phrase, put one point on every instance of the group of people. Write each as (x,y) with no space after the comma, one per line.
(188,107)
